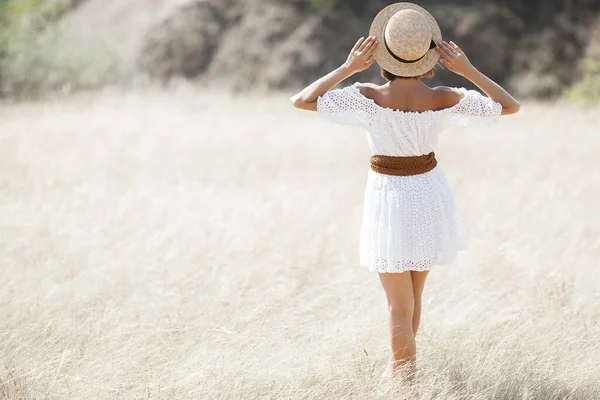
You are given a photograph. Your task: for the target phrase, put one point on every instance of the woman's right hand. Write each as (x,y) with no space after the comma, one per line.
(361,56)
(454,58)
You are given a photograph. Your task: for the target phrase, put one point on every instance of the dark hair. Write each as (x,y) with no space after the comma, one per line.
(390,77)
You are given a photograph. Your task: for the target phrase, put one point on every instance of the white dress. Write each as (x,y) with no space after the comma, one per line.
(409,222)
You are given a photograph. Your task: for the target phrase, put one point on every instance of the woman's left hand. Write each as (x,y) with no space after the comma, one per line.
(454,58)
(361,57)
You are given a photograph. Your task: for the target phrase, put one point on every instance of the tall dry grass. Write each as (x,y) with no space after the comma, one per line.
(198,246)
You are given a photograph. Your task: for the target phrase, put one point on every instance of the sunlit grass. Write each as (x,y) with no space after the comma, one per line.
(198,246)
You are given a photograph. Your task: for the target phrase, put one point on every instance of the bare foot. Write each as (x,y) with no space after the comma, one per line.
(387,378)
(410,381)
(403,375)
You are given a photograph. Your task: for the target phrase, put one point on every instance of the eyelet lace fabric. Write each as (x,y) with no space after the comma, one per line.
(409,222)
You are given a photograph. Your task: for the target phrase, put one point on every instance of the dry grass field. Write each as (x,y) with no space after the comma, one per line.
(191,245)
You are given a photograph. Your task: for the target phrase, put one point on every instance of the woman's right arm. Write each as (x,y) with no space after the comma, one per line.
(359,59)
(456,61)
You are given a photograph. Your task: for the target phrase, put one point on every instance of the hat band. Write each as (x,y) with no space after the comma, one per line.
(431,46)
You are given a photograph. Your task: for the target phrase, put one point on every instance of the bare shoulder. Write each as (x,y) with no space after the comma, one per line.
(448,96)
(369,90)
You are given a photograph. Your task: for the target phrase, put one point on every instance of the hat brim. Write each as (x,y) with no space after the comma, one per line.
(386,60)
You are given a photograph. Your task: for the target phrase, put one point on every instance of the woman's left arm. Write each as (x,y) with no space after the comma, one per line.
(359,59)
(456,61)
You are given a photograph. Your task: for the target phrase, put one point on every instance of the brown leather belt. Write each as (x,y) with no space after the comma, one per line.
(403,166)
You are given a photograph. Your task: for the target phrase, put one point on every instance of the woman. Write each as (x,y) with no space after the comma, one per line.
(410,220)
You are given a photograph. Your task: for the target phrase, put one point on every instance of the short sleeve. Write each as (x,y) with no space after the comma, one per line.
(346,106)
(475,109)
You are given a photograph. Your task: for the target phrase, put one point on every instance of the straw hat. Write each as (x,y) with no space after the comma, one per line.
(407,36)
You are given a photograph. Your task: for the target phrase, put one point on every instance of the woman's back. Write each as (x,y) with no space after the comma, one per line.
(411,95)
(397,132)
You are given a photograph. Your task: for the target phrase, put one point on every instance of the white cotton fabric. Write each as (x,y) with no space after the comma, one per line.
(409,222)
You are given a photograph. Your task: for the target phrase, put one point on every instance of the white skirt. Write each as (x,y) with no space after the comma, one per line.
(409,222)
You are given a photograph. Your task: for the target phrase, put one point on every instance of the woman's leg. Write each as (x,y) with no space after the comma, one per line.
(400,298)
(418,282)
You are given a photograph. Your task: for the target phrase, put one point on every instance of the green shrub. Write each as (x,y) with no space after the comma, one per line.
(33,57)
(587,90)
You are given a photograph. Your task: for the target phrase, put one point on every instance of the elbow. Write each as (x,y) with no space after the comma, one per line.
(297,101)
(301,103)
(513,109)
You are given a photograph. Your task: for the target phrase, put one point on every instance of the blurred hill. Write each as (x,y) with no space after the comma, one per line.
(534,47)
